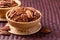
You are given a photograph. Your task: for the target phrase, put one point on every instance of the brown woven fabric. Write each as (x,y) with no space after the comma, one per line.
(50,10)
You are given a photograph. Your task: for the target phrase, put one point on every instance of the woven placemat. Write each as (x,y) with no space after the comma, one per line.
(50,10)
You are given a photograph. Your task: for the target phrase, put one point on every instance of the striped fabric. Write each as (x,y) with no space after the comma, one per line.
(50,10)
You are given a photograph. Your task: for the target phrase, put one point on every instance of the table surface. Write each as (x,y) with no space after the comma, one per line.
(50,10)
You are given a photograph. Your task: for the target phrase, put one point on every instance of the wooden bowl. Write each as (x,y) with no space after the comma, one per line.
(24,28)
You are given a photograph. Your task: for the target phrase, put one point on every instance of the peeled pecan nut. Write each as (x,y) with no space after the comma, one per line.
(45,30)
(19,11)
(13,4)
(29,14)
(4,32)
(24,17)
(7,4)
(16,18)
(11,12)
(2,2)
(5,28)
(34,18)
(36,14)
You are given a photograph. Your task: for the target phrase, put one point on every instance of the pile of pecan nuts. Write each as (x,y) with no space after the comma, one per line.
(4,4)
(23,14)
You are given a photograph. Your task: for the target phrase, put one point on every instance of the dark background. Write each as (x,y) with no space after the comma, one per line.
(50,10)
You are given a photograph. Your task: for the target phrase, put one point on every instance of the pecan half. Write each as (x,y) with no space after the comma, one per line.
(4,32)
(45,30)
(5,28)
(29,14)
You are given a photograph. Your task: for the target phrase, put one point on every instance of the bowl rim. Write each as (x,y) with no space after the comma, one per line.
(24,22)
(18,4)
